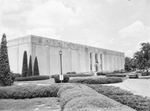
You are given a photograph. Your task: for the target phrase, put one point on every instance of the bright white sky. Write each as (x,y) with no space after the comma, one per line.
(119,25)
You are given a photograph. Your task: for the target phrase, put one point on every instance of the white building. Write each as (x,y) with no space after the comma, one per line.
(75,57)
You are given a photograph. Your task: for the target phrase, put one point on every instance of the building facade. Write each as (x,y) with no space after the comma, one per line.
(75,57)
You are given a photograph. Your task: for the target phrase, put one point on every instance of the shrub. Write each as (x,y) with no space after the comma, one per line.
(82,98)
(29,91)
(30,67)
(71,72)
(32,78)
(66,94)
(101,73)
(65,79)
(25,65)
(79,75)
(5,74)
(125,97)
(7,79)
(76,75)
(108,90)
(96,80)
(36,68)
(89,102)
(115,75)
(16,75)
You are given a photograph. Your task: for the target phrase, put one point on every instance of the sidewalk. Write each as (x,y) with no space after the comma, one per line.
(136,86)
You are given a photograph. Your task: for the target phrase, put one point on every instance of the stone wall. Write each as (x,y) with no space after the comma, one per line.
(75,57)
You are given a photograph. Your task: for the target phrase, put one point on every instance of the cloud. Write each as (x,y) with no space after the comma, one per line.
(132,36)
(51,13)
(135,30)
(44,32)
(10,33)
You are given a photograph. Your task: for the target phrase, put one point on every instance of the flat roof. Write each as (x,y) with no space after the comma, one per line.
(61,44)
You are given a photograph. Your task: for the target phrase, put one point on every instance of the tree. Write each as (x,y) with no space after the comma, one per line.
(30,67)
(36,67)
(5,75)
(25,65)
(4,61)
(130,64)
(142,57)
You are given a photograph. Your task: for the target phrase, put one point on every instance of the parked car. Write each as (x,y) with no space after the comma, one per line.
(134,75)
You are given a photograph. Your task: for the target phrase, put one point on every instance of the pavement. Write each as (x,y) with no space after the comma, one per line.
(136,86)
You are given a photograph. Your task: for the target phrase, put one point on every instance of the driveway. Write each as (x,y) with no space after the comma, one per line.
(136,86)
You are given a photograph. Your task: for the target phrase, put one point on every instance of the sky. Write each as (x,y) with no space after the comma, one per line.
(120,25)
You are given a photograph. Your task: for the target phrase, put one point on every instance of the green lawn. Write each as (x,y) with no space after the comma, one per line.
(36,104)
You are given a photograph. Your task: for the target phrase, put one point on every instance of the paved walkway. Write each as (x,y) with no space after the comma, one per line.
(136,86)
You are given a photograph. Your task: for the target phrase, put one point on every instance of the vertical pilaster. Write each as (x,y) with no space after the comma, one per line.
(93,61)
(48,59)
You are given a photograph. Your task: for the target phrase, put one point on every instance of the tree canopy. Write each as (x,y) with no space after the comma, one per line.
(142,57)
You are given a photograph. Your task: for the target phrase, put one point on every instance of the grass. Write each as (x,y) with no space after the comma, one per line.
(43,104)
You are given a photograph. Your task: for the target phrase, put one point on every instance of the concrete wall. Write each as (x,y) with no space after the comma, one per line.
(75,57)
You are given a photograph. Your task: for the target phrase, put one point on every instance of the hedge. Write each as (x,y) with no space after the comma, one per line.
(73,97)
(115,75)
(57,79)
(134,76)
(32,78)
(82,98)
(96,80)
(75,75)
(125,97)
(101,73)
(29,91)
(71,72)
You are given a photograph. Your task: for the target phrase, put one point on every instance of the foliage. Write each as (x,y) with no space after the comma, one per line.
(136,102)
(57,79)
(75,75)
(25,65)
(31,78)
(5,74)
(30,67)
(6,79)
(29,91)
(101,73)
(79,97)
(16,75)
(96,80)
(115,75)
(36,67)
(129,64)
(71,72)
(142,57)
